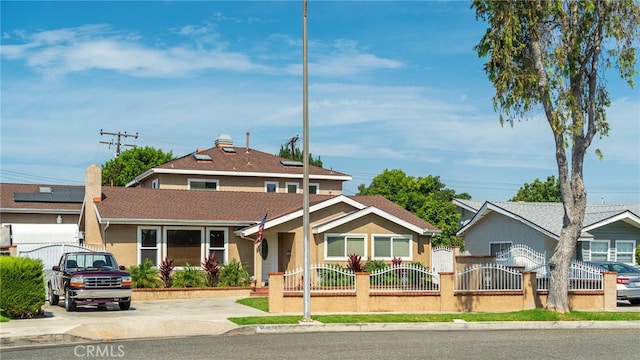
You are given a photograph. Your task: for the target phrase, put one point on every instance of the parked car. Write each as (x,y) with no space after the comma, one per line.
(89,278)
(627,281)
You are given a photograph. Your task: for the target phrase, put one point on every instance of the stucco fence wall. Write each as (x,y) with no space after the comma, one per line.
(189,293)
(446,300)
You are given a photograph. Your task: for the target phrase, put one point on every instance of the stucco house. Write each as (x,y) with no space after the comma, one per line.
(213,200)
(610,232)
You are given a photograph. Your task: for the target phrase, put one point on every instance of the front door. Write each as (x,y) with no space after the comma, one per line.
(269,256)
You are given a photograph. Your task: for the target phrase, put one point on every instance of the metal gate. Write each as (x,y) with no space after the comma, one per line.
(441,259)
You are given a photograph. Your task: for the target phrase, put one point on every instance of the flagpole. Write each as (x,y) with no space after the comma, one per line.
(305,179)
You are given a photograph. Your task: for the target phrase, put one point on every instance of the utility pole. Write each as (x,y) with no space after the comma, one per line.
(292,143)
(118,143)
(306,288)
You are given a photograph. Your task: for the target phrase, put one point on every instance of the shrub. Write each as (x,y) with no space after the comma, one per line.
(22,290)
(373,265)
(189,276)
(166,269)
(211,266)
(233,274)
(145,275)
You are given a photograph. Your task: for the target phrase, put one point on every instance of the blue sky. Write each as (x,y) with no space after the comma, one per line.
(392,85)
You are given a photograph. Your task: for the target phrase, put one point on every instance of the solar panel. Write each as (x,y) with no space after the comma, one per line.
(202,157)
(291,163)
(229,149)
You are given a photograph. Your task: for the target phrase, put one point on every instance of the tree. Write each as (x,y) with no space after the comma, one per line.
(426,197)
(538,191)
(553,55)
(131,163)
(285,152)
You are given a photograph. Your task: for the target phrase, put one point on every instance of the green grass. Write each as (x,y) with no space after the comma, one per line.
(262,303)
(3,316)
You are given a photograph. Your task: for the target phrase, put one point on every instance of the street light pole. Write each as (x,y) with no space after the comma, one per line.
(305,164)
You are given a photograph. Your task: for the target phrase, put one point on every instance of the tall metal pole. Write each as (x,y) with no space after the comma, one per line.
(305,164)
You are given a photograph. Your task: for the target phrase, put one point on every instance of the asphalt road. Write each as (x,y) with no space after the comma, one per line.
(494,345)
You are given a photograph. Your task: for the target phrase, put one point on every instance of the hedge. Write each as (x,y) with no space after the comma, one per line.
(22,290)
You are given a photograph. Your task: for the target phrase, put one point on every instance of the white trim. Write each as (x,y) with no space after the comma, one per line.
(287,184)
(392,237)
(346,235)
(149,172)
(331,224)
(158,246)
(267,183)
(632,253)
(608,251)
(317,185)
(226,242)
(213,181)
(488,207)
(155,183)
(626,215)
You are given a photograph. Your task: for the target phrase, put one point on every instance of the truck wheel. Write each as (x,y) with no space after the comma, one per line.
(69,305)
(124,305)
(53,298)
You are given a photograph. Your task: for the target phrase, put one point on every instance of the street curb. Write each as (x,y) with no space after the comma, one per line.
(41,340)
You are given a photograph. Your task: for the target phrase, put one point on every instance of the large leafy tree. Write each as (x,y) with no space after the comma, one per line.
(553,56)
(539,191)
(131,163)
(426,197)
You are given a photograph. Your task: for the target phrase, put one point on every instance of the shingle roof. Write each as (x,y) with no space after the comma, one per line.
(8,202)
(549,216)
(232,207)
(242,161)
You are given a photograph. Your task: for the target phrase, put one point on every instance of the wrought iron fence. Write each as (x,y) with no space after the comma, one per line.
(404,277)
(582,277)
(323,278)
(488,277)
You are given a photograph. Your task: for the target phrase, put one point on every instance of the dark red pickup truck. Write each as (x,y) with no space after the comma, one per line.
(89,278)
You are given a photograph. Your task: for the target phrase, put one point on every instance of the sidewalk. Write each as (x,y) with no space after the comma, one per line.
(197,317)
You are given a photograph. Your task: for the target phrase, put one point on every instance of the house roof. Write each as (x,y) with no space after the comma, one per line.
(239,161)
(120,205)
(41,198)
(548,217)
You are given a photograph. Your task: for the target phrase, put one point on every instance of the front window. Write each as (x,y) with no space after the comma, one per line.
(599,251)
(199,184)
(217,244)
(499,247)
(625,251)
(339,246)
(184,246)
(388,247)
(148,240)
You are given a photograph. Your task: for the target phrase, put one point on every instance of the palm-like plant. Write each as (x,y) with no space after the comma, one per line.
(145,275)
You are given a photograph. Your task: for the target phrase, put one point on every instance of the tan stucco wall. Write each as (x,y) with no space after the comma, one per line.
(121,240)
(92,192)
(24,218)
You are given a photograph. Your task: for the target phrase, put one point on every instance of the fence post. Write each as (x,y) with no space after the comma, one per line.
(362,291)
(276,294)
(610,292)
(447,293)
(529,289)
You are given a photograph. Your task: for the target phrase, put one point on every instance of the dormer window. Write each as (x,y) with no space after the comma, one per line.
(270,186)
(202,184)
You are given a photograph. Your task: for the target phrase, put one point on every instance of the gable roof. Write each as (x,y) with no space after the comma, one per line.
(120,205)
(547,217)
(41,198)
(238,161)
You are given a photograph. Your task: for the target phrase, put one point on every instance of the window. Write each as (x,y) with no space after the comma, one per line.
(339,246)
(199,184)
(314,189)
(600,250)
(155,184)
(625,250)
(390,246)
(184,245)
(148,239)
(217,243)
(270,186)
(499,247)
(292,188)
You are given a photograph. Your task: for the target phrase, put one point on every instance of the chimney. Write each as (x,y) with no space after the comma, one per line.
(247,148)
(224,140)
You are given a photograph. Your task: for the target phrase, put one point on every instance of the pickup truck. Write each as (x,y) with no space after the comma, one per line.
(89,278)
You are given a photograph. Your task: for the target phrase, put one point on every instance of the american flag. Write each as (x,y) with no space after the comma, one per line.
(261,228)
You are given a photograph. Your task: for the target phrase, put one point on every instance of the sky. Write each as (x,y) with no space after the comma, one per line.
(392,85)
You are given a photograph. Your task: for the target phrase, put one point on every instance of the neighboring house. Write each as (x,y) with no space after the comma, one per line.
(610,232)
(213,201)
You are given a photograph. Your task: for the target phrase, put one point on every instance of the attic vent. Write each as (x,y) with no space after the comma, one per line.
(45,190)
(229,150)
(202,157)
(290,163)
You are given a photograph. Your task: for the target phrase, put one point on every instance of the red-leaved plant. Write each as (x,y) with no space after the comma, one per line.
(211,266)
(396,261)
(166,267)
(355,263)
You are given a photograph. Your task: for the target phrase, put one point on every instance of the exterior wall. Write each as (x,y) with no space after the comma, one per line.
(241,183)
(121,241)
(25,218)
(447,300)
(498,228)
(616,232)
(188,293)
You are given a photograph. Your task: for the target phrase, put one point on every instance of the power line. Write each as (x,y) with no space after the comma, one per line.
(118,143)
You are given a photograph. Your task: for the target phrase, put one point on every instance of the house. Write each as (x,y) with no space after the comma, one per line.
(213,200)
(610,232)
